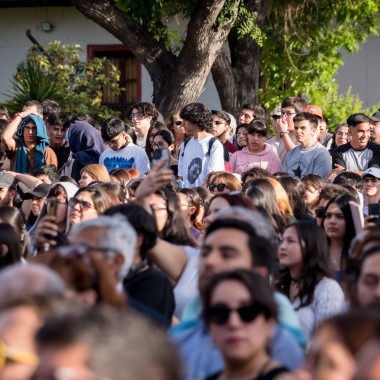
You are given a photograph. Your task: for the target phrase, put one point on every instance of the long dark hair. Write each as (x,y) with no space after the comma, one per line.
(175,230)
(9,237)
(316,262)
(343,202)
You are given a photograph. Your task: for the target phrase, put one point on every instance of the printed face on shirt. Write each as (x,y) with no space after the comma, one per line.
(304,131)
(359,135)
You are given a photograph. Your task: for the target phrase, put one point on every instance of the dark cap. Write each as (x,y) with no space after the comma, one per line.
(39,191)
(376,116)
(7,180)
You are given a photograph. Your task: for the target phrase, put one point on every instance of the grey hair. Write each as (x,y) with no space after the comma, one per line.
(255,219)
(118,235)
(21,281)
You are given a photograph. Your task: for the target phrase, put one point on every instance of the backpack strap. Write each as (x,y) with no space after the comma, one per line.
(210,144)
(184,146)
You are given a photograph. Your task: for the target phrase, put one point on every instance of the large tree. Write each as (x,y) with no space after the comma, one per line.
(177,79)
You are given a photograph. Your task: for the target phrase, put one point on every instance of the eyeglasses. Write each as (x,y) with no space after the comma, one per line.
(340,134)
(160,145)
(82,204)
(219,187)
(245,134)
(220,314)
(319,212)
(16,355)
(115,141)
(136,115)
(285,113)
(30,129)
(178,122)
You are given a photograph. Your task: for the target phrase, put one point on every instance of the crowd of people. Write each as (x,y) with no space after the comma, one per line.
(196,247)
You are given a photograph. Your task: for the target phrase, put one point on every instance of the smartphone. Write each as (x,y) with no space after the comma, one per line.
(161,155)
(374,210)
(51,206)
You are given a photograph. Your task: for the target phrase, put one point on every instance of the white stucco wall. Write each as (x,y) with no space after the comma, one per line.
(362,71)
(70,27)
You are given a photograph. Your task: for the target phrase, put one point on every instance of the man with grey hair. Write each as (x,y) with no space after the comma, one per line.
(112,235)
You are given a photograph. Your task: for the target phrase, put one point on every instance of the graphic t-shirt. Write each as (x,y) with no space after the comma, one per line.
(194,163)
(357,160)
(131,156)
(314,160)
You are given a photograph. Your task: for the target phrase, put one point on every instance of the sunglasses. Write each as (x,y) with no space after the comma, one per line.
(178,122)
(220,314)
(319,212)
(82,204)
(220,187)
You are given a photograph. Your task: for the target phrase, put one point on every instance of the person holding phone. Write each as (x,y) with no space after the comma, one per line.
(165,140)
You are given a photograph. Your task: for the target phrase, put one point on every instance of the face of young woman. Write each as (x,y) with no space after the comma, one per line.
(216,205)
(238,340)
(334,223)
(290,250)
(222,189)
(85,179)
(310,194)
(256,142)
(178,129)
(242,137)
(82,212)
(160,210)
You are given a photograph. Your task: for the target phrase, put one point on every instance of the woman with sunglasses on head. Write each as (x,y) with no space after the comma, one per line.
(164,140)
(240,313)
(51,223)
(175,126)
(257,153)
(224,183)
(307,277)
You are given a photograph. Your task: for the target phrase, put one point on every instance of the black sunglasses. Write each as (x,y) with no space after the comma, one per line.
(178,122)
(319,212)
(219,186)
(220,314)
(82,204)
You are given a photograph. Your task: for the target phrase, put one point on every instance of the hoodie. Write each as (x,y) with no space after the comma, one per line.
(71,190)
(244,159)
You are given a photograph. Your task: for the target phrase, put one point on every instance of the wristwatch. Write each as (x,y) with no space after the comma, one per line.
(283,133)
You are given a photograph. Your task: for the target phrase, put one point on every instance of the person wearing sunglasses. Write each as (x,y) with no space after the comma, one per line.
(240,312)
(224,183)
(143,115)
(175,126)
(88,203)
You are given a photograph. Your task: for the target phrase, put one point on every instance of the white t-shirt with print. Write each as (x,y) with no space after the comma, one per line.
(194,164)
(132,156)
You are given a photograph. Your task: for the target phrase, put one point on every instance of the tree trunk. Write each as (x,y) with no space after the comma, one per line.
(237,76)
(177,81)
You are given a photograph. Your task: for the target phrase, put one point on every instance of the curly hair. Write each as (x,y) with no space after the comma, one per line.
(147,109)
(199,114)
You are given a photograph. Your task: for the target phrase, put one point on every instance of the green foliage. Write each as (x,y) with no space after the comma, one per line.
(61,74)
(302,50)
(245,26)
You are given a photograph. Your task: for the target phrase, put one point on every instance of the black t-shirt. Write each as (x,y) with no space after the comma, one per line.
(62,153)
(153,289)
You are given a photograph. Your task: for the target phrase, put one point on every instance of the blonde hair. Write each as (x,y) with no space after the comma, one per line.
(97,172)
(208,177)
(282,196)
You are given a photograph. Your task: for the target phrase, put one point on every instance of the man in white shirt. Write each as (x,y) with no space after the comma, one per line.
(203,153)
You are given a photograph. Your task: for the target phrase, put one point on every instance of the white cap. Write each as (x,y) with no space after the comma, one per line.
(374,172)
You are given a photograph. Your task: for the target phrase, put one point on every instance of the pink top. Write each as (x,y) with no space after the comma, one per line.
(244,159)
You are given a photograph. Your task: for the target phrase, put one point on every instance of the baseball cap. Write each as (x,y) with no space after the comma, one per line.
(374,172)
(315,110)
(39,191)
(276,111)
(7,180)
(376,116)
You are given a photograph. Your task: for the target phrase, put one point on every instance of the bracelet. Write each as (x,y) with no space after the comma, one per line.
(15,115)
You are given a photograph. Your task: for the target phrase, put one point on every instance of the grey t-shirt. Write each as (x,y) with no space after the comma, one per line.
(314,160)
